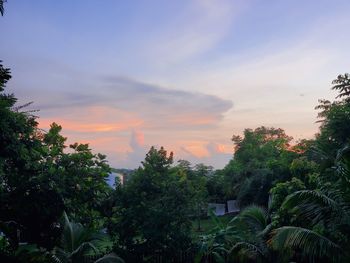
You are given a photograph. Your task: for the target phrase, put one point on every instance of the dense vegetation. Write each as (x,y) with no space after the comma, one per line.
(56,206)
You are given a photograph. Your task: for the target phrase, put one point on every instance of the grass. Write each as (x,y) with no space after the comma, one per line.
(206,225)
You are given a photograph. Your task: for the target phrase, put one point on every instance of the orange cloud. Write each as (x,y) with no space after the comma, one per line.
(139,138)
(221,148)
(95,119)
(91,127)
(196,148)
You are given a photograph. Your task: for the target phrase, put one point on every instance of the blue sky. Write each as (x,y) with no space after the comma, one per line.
(125,75)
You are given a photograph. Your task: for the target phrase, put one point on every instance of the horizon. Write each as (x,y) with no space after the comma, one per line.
(185,75)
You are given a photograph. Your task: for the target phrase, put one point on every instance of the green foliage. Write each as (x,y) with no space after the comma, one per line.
(280,214)
(262,157)
(310,242)
(38,180)
(22,191)
(214,243)
(324,223)
(282,190)
(79,176)
(309,185)
(151,212)
(240,240)
(342,85)
(79,244)
(197,187)
(335,122)
(217,187)
(260,145)
(255,189)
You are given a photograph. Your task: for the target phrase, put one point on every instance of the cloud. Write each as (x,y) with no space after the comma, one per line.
(210,153)
(117,103)
(88,119)
(200,26)
(120,116)
(136,154)
(137,140)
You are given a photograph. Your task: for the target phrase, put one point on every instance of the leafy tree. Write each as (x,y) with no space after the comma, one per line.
(35,173)
(151,212)
(217,187)
(196,180)
(79,176)
(262,157)
(342,85)
(335,122)
(22,191)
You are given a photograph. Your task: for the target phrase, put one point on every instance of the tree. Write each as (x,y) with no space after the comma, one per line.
(320,225)
(22,191)
(342,85)
(151,212)
(335,122)
(197,179)
(323,226)
(326,223)
(2,7)
(79,176)
(36,173)
(262,157)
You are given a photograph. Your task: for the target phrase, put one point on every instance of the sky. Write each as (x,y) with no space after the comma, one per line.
(127,75)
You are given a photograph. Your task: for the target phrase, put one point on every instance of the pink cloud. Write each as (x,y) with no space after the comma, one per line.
(94,119)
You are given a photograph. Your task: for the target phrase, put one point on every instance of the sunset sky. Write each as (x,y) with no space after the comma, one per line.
(186,75)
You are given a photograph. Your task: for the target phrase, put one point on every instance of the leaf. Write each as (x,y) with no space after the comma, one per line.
(110,258)
(311,243)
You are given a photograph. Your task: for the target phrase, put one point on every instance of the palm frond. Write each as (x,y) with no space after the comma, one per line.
(255,216)
(110,258)
(246,249)
(247,246)
(311,243)
(79,244)
(74,234)
(83,250)
(59,255)
(2,7)
(316,206)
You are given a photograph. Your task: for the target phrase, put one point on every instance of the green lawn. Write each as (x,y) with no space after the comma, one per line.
(207,224)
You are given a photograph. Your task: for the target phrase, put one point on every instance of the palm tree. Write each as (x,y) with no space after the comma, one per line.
(252,225)
(79,244)
(313,245)
(242,239)
(213,244)
(2,7)
(326,217)
(342,85)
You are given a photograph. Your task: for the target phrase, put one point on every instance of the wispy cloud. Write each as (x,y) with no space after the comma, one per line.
(200,26)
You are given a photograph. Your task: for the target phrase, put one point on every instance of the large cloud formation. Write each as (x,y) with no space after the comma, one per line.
(124,117)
